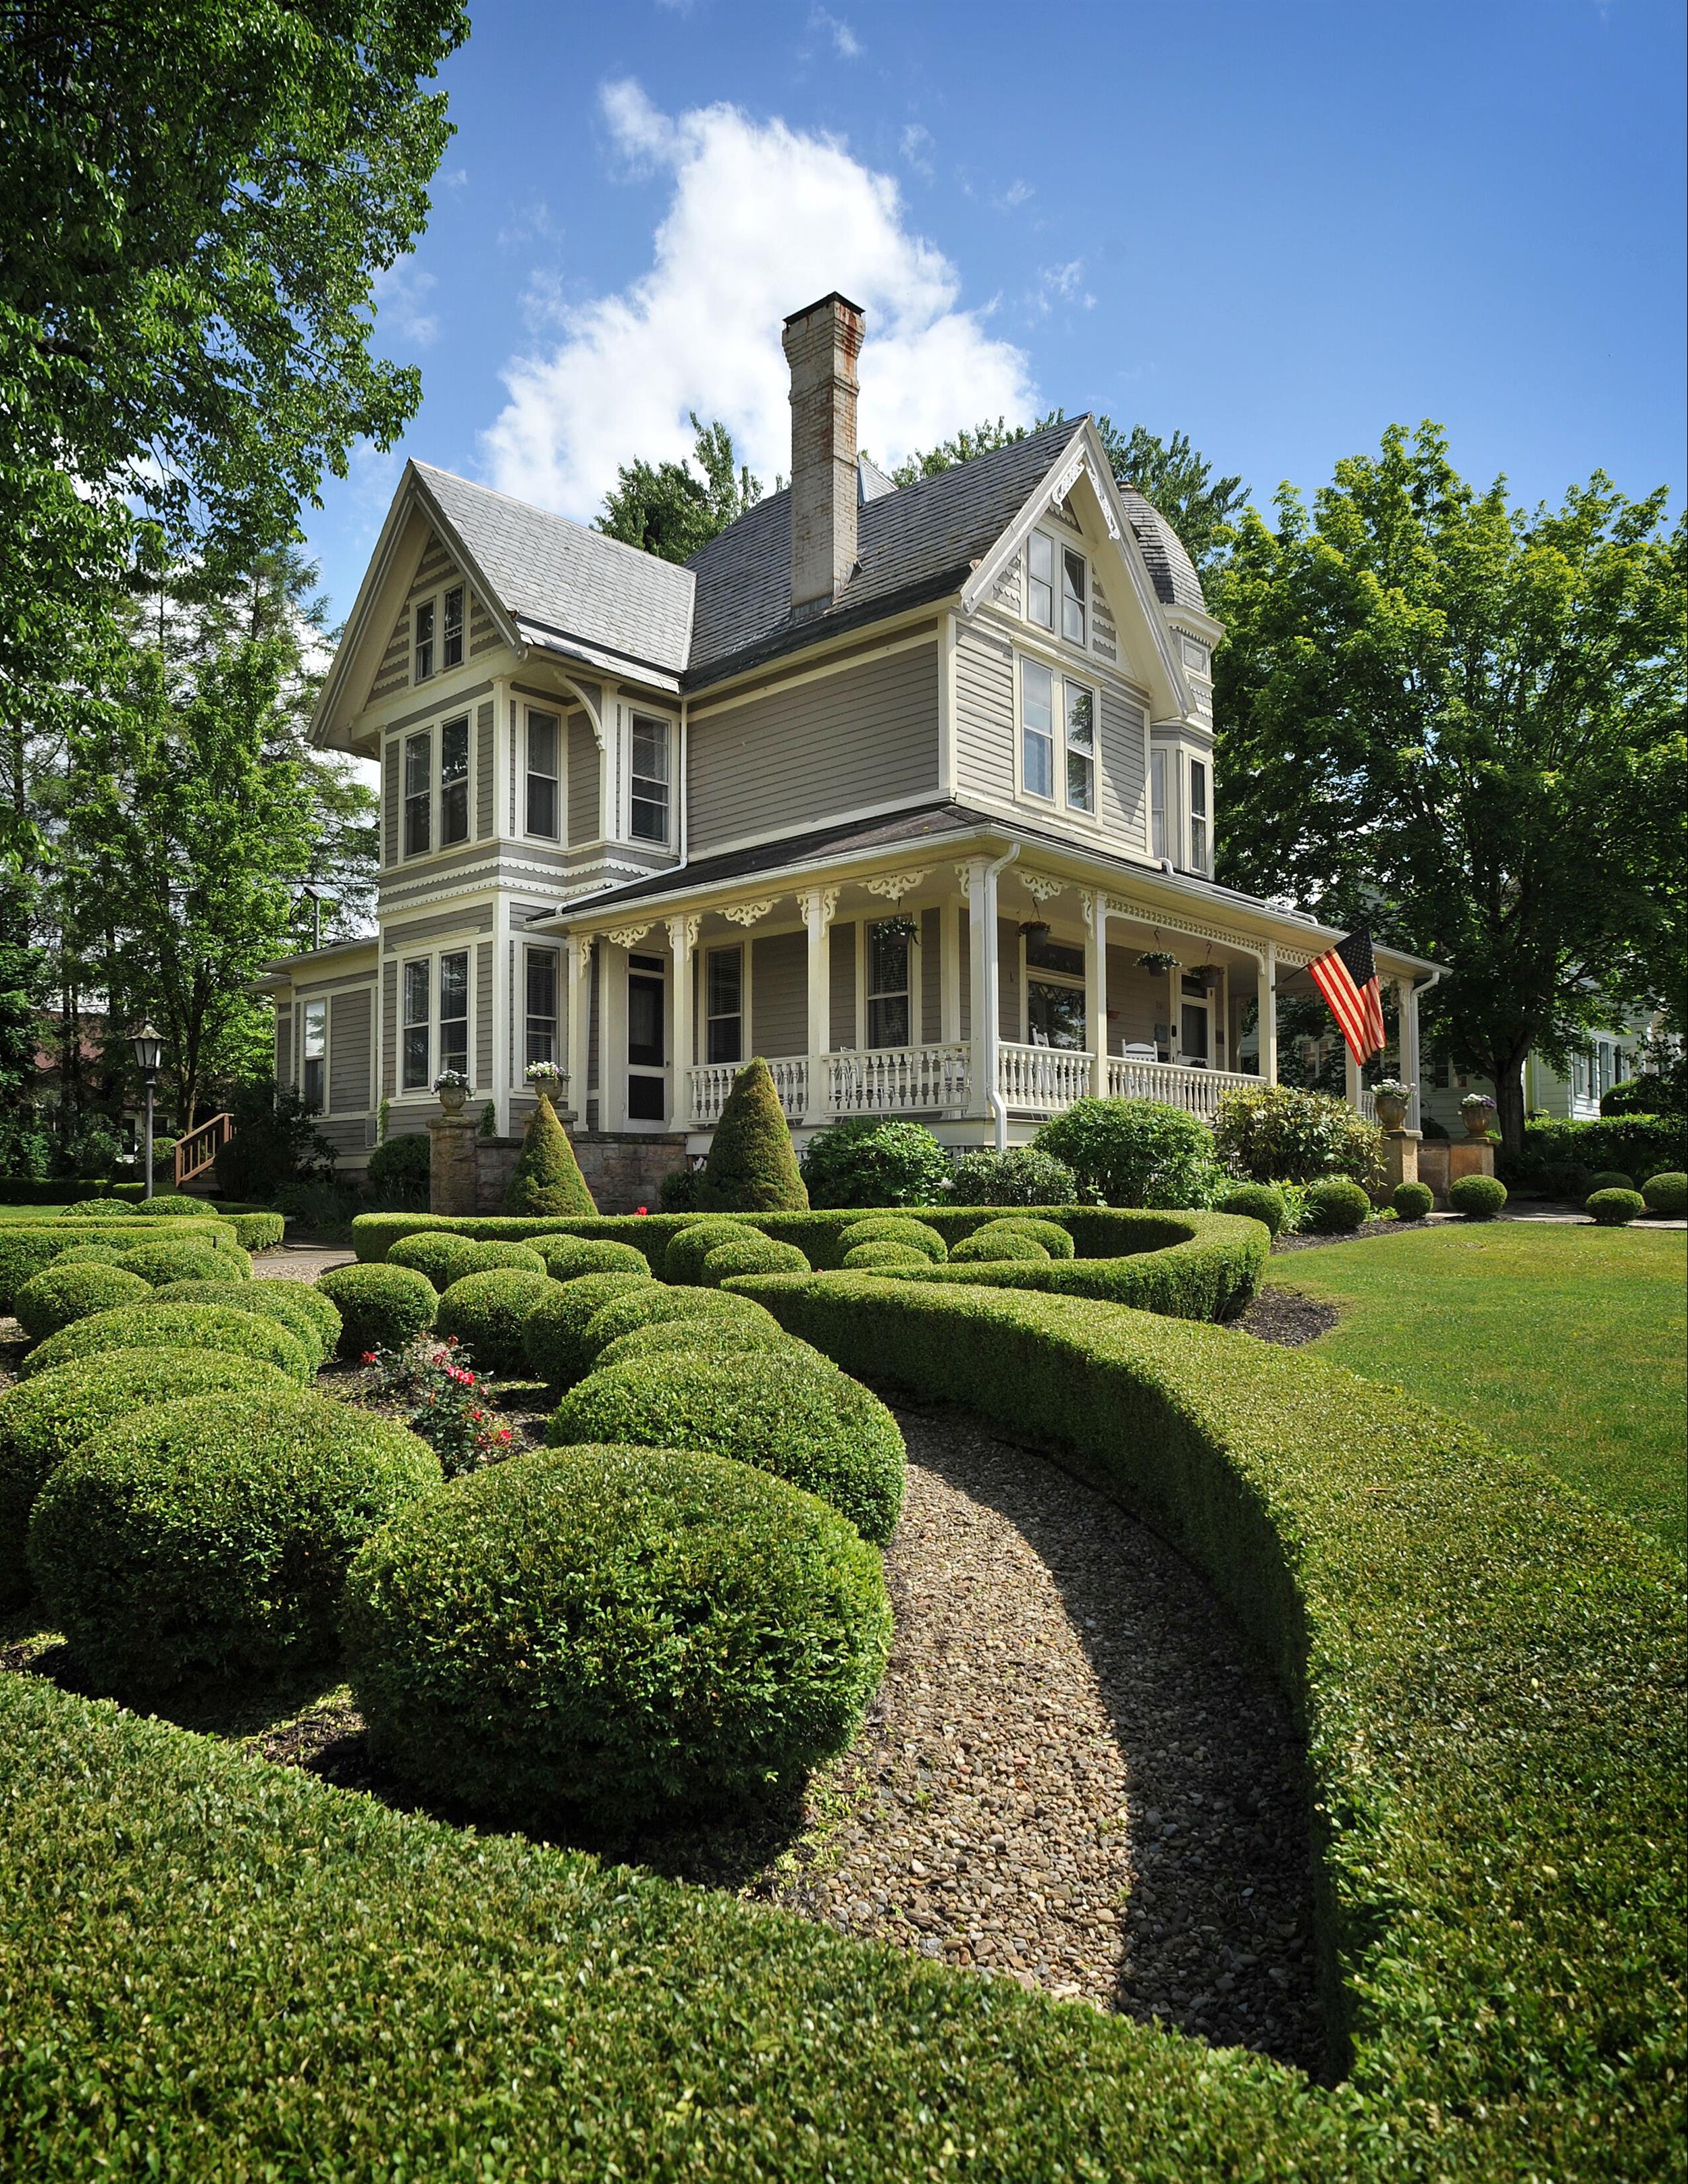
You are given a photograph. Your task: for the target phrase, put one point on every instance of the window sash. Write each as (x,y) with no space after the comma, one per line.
(1075,595)
(451,630)
(723,1004)
(541,995)
(1037,729)
(413,1038)
(649,780)
(1198,816)
(1040,580)
(1158,804)
(453,781)
(423,642)
(418,798)
(544,739)
(453,1010)
(890,962)
(1081,747)
(315,1049)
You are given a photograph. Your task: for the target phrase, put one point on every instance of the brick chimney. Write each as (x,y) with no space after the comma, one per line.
(821,344)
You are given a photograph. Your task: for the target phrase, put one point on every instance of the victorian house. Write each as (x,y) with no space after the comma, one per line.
(909,791)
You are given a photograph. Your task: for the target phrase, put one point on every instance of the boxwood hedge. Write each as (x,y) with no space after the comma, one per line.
(654,1304)
(567,1257)
(488,1312)
(882,1251)
(442,1257)
(714,1337)
(27,1247)
(43,1419)
(167,1261)
(281,1301)
(211,1535)
(994,1245)
(1489,1671)
(752,1254)
(258,1231)
(380,1308)
(58,1294)
(553,1336)
(692,1633)
(173,1327)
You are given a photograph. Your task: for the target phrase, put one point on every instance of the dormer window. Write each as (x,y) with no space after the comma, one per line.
(1040,580)
(451,628)
(422,666)
(1075,596)
(1052,568)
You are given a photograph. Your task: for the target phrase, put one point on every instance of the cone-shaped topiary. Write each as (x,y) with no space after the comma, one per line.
(548,1178)
(751,1167)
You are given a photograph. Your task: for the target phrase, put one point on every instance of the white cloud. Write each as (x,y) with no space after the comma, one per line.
(762,218)
(1059,284)
(1015,194)
(917,147)
(457,179)
(400,293)
(845,43)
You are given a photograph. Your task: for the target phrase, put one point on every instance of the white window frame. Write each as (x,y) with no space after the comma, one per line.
(671,737)
(864,994)
(1045,975)
(408,1024)
(433,734)
(317,1009)
(558,721)
(740,1015)
(1199,768)
(543,1045)
(1070,750)
(1060,549)
(423,648)
(452,632)
(1160,831)
(1060,682)
(432,957)
(408,796)
(464,781)
(1081,642)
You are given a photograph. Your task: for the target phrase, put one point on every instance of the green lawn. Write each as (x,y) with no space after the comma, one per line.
(30,1213)
(1563,1343)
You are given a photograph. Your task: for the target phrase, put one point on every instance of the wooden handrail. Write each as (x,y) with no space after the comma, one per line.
(195,1149)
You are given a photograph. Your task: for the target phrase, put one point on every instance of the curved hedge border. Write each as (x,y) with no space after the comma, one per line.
(1191,1266)
(27,1247)
(1489,1671)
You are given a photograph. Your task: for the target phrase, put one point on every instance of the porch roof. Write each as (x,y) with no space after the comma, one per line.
(800,859)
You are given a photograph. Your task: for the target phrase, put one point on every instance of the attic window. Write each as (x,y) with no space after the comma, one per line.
(1040,580)
(423,661)
(1075,597)
(451,632)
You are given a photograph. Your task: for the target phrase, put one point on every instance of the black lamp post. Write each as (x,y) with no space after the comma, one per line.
(147,1046)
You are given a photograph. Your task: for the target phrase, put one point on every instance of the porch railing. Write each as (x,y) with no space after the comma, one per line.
(711,1083)
(898,1080)
(1041,1079)
(1174,1082)
(197,1150)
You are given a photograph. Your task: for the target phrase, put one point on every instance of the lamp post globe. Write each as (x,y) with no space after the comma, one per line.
(148,1047)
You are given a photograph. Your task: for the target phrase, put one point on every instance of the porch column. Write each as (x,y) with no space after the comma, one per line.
(1350,1077)
(981,973)
(818,905)
(1268,1032)
(949,981)
(579,1024)
(682,934)
(612,1035)
(1096,909)
(1406,1003)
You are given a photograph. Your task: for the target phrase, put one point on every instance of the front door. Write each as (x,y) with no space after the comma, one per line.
(1195,1036)
(647,1042)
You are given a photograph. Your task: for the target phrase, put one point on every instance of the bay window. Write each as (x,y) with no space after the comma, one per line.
(415,1073)
(544,779)
(649,800)
(454,1011)
(1081,748)
(1158,804)
(1198,816)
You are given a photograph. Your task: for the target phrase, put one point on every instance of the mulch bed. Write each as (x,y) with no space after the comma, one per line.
(1311,1243)
(1281,1316)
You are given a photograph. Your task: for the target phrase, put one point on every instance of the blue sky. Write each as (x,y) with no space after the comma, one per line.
(1277,226)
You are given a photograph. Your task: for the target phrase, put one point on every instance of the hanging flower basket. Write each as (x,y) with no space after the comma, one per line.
(900,923)
(1158,960)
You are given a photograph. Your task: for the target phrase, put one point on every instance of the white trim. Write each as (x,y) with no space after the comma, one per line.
(948,720)
(430,952)
(675,780)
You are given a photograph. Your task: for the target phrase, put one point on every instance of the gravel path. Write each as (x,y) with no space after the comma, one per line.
(301,1262)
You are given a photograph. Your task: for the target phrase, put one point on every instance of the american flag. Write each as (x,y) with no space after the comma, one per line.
(1347,976)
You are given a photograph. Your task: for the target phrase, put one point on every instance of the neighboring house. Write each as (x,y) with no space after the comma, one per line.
(893,786)
(1608,1059)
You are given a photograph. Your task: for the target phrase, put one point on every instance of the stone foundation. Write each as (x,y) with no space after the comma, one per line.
(470,1174)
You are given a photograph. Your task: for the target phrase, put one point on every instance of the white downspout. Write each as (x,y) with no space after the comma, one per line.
(991,982)
(1415,1112)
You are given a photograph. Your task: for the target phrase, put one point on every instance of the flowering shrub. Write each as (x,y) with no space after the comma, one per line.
(431,1383)
(1274,1133)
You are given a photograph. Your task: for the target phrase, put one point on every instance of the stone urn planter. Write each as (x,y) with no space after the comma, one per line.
(453,1098)
(1477,1117)
(1391,1110)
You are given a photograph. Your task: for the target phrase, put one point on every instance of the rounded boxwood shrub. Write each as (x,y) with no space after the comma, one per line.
(487,1313)
(863,1258)
(155,1326)
(442,1257)
(1133,1152)
(992,1245)
(1024,1175)
(752,1254)
(1615,1209)
(868,1160)
(164,1262)
(1667,1194)
(1336,1205)
(692,1633)
(1056,1241)
(654,1307)
(170,1205)
(490,1258)
(1610,1178)
(897,1228)
(803,1420)
(683,1262)
(59,1294)
(552,1337)
(94,1209)
(211,1535)
(1411,1200)
(308,1298)
(713,1337)
(1478,1197)
(89,1254)
(567,1257)
(277,1300)
(256,1232)
(1258,1201)
(43,1419)
(380,1308)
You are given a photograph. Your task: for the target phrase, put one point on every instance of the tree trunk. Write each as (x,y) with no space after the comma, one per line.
(1509,1105)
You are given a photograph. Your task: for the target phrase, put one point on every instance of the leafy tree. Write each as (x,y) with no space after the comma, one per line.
(670,511)
(1464,722)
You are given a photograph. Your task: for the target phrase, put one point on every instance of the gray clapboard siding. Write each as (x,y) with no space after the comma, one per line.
(389,802)
(284,1046)
(483,1017)
(344,1133)
(779,1005)
(1008,979)
(864,737)
(582,780)
(841,1009)
(984,715)
(1137,1000)
(1122,801)
(931,975)
(471,917)
(389,1029)
(348,1052)
(483,770)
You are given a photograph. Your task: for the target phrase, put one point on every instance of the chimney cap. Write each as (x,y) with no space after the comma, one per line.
(834,296)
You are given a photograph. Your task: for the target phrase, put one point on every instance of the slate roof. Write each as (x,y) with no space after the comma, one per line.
(1174,572)
(911,545)
(562,581)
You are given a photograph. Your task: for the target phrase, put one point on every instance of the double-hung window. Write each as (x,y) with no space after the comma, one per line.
(541,1005)
(1081,747)
(649,794)
(419,765)
(414,1075)
(1157,805)
(724,1004)
(1046,699)
(451,628)
(1075,596)
(889,953)
(454,1011)
(1198,816)
(316,1085)
(544,780)
(1040,580)
(1037,729)
(422,647)
(454,782)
